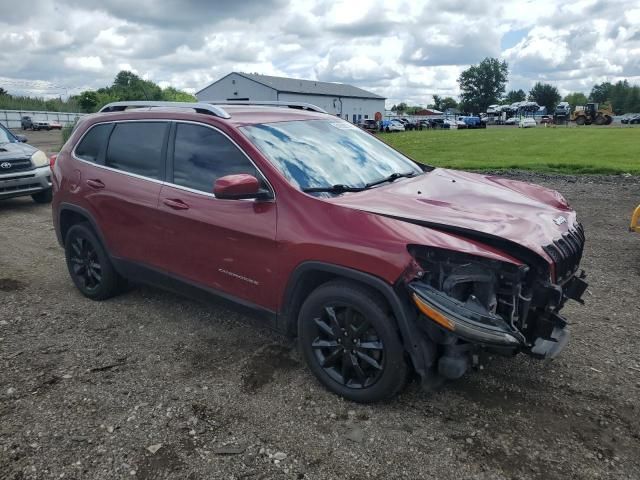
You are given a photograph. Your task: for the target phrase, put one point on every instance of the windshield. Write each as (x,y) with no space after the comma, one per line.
(322,153)
(5,136)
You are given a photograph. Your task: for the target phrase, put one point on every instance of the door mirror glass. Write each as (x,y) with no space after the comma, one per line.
(21,138)
(236,187)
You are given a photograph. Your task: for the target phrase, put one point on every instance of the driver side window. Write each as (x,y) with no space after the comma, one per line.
(202,155)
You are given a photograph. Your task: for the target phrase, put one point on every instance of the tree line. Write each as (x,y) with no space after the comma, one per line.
(485,84)
(126,86)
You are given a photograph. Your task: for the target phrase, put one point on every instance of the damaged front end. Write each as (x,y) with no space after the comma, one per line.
(470,304)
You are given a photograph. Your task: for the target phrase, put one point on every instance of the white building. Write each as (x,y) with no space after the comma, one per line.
(345,101)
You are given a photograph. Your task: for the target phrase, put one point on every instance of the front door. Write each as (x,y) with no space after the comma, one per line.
(225,245)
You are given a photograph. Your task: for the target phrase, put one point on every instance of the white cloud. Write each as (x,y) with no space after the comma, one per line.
(404,50)
(86,64)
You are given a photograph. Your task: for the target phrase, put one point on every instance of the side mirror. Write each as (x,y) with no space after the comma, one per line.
(238,187)
(21,138)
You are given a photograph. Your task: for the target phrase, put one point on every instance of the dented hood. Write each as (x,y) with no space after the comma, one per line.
(494,207)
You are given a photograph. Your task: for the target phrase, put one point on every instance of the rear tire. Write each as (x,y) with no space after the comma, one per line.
(580,120)
(351,343)
(89,265)
(609,119)
(600,120)
(44,196)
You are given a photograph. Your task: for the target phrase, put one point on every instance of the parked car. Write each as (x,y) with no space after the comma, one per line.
(53,125)
(24,170)
(511,121)
(26,122)
(546,120)
(527,122)
(631,119)
(393,126)
(439,123)
(369,125)
(380,266)
(472,121)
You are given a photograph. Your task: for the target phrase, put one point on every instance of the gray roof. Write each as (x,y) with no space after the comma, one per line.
(295,85)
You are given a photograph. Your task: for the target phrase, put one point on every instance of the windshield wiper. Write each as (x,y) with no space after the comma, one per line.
(390,178)
(339,188)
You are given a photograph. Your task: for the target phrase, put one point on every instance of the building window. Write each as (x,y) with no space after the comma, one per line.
(366,117)
(233,82)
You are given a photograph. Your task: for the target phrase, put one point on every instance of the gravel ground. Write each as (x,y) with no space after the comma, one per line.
(149,385)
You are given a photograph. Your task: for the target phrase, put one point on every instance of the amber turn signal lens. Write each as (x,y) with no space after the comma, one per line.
(433,314)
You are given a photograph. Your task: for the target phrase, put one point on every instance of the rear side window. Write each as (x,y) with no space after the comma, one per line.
(136,147)
(202,155)
(92,144)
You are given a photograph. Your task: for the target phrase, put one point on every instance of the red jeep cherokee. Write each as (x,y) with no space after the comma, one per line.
(379,265)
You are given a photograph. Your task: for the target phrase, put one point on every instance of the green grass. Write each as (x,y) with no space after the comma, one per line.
(562,149)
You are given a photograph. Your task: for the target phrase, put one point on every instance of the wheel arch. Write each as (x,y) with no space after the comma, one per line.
(310,275)
(70,215)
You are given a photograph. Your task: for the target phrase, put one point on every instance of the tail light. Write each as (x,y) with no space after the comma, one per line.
(52,160)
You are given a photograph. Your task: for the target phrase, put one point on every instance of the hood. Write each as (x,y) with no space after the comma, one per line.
(474,205)
(16,151)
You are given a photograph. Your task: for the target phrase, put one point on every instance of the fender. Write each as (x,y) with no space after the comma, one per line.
(81,211)
(396,296)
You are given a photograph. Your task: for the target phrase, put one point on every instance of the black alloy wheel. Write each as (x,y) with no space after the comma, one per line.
(348,347)
(89,264)
(85,263)
(351,342)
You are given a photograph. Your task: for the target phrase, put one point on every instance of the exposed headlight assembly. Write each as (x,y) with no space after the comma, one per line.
(39,159)
(479,299)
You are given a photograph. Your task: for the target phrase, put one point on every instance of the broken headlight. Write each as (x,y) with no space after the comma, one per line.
(471,295)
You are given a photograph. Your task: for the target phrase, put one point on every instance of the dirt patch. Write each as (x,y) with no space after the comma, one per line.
(86,387)
(263,366)
(11,285)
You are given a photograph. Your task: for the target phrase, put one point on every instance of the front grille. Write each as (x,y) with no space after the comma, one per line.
(566,252)
(10,166)
(16,188)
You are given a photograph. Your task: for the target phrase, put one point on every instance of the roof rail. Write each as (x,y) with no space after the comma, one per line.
(199,107)
(297,105)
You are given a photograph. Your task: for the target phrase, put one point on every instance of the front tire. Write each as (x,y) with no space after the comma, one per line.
(89,265)
(350,342)
(44,196)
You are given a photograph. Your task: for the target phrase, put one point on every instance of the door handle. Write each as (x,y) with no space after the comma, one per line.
(95,183)
(175,203)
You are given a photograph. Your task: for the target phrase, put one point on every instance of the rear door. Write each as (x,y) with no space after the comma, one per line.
(122,184)
(225,245)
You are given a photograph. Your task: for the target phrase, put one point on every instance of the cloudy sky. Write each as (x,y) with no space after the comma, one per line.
(403,50)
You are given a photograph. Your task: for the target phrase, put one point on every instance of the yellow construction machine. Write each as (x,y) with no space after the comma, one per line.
(635,220)
(590,113)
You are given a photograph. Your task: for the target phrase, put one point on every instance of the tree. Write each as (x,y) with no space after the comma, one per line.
(483,84)
(3,91)
(129,86)
(88,101)
(545,95)
(632,102)
(576,98)
(601,93)
(400,108)
(515,96)
(443,104)
(171,94)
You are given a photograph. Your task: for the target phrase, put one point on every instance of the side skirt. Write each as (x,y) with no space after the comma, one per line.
(141,273)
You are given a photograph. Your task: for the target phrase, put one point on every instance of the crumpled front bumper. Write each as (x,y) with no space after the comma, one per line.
(546,334)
